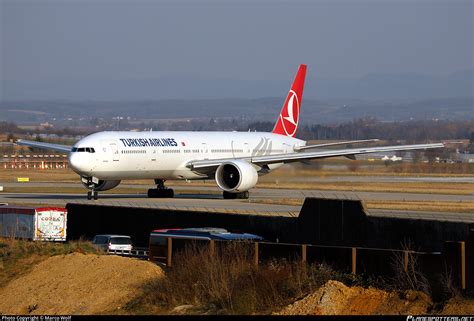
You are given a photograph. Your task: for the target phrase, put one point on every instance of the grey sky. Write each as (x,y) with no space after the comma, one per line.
(44,41)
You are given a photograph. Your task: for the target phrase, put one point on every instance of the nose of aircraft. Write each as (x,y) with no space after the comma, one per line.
(77,162)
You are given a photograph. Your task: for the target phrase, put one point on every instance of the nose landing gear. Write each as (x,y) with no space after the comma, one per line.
(92,195)
(91,183)
(161,191)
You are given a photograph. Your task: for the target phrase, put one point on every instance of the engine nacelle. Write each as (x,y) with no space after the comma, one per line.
(103,185)
(236,176)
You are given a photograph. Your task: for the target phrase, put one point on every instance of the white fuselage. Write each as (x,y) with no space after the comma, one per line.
(164,155)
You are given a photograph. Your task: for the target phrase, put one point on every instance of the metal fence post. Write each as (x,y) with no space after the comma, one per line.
(354,260)
(463,265)
(170,252)
(405,261)
(255,254)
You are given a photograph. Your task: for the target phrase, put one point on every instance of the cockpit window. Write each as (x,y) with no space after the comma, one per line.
(83,149)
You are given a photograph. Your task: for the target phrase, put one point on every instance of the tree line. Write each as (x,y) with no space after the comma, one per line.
(367,128)
(364,128)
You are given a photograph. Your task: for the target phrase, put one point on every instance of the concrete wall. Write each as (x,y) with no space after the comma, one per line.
(344,222)
(321,222)
(89,220)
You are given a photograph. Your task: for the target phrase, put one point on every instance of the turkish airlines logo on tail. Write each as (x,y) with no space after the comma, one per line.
(289,115)
(287,122)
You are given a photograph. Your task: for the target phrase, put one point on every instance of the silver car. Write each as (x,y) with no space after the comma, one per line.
(112,242)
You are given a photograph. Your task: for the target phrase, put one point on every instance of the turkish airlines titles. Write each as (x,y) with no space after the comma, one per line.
(141,142)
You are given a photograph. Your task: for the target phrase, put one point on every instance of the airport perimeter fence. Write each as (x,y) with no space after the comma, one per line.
(453,260)
(34,161)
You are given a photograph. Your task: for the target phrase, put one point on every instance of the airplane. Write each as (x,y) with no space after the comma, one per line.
(234,159)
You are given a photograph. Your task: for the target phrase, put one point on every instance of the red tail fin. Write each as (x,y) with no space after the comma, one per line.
(287,123)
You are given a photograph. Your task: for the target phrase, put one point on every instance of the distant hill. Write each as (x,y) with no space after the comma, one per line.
(369,87)
(261,109)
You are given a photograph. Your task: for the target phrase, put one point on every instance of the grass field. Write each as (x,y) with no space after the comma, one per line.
(437,206)
(456,207)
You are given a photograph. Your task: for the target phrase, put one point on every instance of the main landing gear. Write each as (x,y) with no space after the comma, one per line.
(241,195)
(161,191)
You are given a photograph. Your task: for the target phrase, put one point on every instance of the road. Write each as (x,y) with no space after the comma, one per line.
(192,202)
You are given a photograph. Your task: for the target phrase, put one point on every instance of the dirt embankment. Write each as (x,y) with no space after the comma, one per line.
(101,284)
(335,298)
(77,284)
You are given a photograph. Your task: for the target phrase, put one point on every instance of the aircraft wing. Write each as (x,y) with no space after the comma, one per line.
(295,157)
(48,146)
(334,144)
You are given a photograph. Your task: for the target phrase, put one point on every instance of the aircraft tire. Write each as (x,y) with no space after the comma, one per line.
(89,195)
(229,196)
(244,195)
(153,193)
(232,196)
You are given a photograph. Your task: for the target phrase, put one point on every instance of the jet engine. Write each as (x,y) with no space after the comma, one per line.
(103,185)
(236,176)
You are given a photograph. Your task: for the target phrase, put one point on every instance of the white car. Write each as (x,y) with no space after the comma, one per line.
(112,242)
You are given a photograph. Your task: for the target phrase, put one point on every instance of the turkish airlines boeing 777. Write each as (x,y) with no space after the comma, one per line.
(233,159)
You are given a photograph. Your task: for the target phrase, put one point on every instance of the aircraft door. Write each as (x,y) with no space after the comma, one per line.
(239,149)
(233,146)
(246,149)
(115,152)
(204,151)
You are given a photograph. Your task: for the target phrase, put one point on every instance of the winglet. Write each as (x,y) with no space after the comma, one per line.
(287,123)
